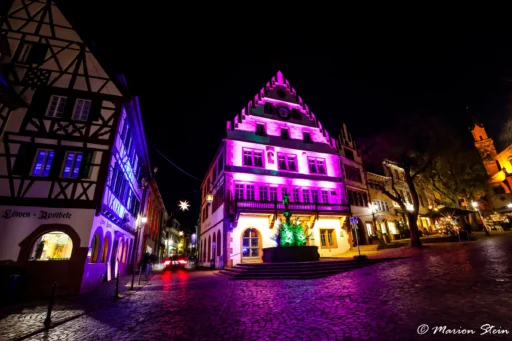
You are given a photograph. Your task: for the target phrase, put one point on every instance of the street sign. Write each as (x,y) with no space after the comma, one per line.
(353,220)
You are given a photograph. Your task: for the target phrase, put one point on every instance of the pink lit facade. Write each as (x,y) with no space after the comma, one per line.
(275,146)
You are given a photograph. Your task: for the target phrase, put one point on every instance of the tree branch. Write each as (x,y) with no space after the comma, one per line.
(423,168)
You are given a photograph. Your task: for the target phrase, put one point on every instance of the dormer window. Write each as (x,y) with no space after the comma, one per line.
(56,106)
(82,109)
(285,134)
(260,129)
(307,137)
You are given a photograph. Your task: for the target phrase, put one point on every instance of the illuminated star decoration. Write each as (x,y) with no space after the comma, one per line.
(184,205)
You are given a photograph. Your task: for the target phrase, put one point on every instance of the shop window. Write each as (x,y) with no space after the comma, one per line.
(52,246)
(328,239)
(104,255)
(95,248)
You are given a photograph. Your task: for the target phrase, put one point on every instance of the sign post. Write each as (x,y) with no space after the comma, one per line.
(353,222)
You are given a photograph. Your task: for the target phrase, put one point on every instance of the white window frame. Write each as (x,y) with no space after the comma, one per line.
(78,117)
(316,162)
(253,151)
(55,111)
(287,158)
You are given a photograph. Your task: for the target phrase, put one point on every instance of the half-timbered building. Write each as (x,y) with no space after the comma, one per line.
(274,147)
(72,154)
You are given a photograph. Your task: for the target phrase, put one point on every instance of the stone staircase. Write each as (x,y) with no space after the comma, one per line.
(298,270)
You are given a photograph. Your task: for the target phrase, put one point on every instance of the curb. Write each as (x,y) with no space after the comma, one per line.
(58,323)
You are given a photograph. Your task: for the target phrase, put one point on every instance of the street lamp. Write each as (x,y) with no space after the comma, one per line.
(475,206)
(509,205)
(143,220)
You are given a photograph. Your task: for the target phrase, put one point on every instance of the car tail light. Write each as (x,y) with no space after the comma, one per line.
(181,261)
(167,262)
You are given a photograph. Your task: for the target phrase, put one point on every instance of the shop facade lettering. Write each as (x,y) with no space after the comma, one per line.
(41,215)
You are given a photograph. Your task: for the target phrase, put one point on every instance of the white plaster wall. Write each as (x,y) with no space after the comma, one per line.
(341,236)
(15,229)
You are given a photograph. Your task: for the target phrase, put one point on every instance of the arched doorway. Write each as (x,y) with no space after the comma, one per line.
(251,245)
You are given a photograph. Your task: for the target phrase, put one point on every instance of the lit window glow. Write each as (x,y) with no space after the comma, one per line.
(43,162)
(52,246)
(72,163)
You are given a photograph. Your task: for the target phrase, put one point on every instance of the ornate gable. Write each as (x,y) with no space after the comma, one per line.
(46,50)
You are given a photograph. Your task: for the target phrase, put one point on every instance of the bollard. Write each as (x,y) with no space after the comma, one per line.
(117,286)
(140,273)
(48,320)
(133,279)
(13,289)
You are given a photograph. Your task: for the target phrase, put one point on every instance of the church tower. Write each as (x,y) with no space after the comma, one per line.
(485,147)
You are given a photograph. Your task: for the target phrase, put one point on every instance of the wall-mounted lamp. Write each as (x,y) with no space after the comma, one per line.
(143,220)
(209,198)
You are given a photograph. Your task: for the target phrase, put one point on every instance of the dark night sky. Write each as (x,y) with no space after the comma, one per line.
(192,74)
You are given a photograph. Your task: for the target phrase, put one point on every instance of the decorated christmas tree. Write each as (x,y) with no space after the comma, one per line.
(289,233)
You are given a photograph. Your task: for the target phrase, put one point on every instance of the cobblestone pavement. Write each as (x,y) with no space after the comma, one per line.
(461,290)
(24,319)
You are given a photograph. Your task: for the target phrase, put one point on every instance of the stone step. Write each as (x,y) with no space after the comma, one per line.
(302,264)
(302,270)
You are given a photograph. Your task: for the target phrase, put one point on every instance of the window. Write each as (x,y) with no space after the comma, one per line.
(296,197)
(316,166)
(43,162)
(52,246)
(239,192)
(287,162)
(273,193)
(260,129)
(307,137)
(369,228)
(249,192)
(25,50)
(328,239)
(325,196)
(305,195)
(72,161)
(218,198)
(349,154)
(32,53)
(56,106)
(82,109)
(353,174)
(214,174)
(314,195)
(285,134)
(253,157)
(284,192)
(250,244)
(357,198)
(263,193)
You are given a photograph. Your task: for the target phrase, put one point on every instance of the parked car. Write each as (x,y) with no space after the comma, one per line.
(175,262)
(193,259)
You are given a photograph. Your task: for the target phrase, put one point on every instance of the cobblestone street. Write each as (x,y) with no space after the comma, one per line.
(464,289)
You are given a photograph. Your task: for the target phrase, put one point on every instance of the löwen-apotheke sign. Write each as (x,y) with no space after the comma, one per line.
(41,215)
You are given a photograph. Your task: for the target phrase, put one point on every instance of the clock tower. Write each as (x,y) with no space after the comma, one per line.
(485,147)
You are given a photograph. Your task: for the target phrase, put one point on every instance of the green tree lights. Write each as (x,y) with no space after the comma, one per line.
(289,233)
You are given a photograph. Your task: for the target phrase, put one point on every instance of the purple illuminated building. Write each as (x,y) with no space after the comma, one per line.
(72,155)
(275,146)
